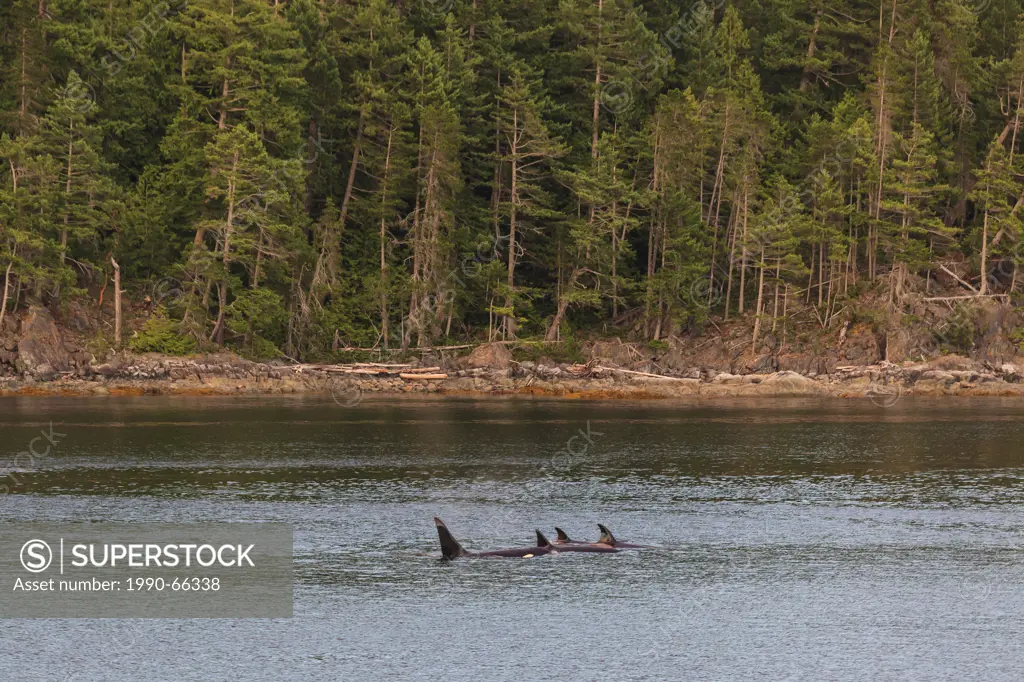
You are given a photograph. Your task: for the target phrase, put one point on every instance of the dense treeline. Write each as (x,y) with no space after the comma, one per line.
(391,173)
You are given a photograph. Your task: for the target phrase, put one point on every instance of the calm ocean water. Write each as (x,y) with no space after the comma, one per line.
(796,539)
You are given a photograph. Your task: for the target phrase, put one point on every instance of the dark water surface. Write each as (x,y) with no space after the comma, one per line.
(799,539)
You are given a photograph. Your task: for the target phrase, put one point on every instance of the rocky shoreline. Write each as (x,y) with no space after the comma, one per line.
(41,363)
(226,374)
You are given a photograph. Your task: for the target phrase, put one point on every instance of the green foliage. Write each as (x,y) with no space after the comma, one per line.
(568,351)
(387,175)
(261,349)
(1016,336)
(162,335)
(872,317)
(258,316)
(957,333)
(98,346)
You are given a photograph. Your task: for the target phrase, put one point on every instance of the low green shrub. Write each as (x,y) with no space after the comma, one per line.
(658,345)
(162,335)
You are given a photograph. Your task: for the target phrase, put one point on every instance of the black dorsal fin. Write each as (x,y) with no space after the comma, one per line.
(450,547)
(562,536)
(541,540)
(606,536)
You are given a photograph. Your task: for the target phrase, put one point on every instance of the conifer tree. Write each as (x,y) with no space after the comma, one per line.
(528,151)
(994,194)
(81,215)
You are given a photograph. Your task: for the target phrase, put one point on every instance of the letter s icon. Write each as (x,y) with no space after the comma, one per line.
(36,556)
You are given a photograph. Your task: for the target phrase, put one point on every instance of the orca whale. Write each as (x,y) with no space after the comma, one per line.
(451,549)
(562,538)
(563,543)
(591,547)
(609,540)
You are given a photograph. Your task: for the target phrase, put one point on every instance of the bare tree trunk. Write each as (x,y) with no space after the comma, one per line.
(760,298)
(785,309)
(67,193)
(3,301)
(805,79)
(983,288)
(218,329)
(416,249)
(23,104)
(496,181)
(117,303)
(353,167)
(615,261)
(810,277)
(829,298)
(732,261)
(821,271)
(775,309)
(383,241)
(597,98)
(1016,122)
(510,318)
(869,251)
(652,232)
(854,274)
(425,251)
(14,250)
(881,146)
(312,154)
(851,255)
(259,260)
(743,247)
(563,305)
(717,189)
(663,308)
(650,265)
(225,90)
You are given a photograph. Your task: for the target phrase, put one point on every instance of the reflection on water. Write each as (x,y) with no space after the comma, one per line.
(797,539)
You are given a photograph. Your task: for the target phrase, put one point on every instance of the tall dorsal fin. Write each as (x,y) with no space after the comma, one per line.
(606,536)
(450,547)
(562,536)
(541,540)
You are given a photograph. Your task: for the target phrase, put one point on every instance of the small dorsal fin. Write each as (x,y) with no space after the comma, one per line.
(541,540)
(562,536)
(450,547)
(606,536)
